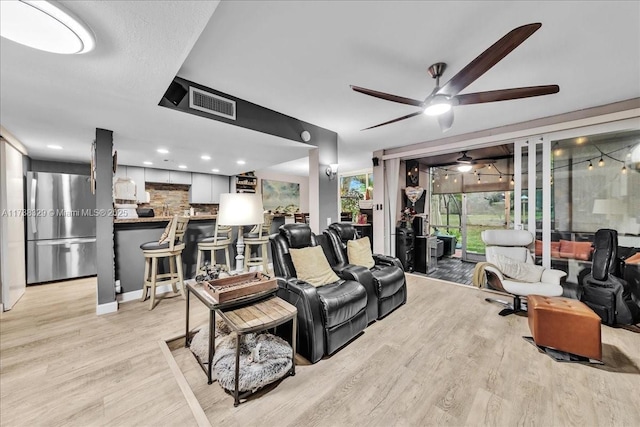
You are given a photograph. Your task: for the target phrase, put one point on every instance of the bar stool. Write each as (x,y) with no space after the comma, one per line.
(258,237)
(170,246)
(220,241)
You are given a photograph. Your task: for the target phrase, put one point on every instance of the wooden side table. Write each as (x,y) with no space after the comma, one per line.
(195,288)
(258,317)
(252,313)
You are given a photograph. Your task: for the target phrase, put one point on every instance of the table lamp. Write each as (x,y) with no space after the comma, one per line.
(240,209)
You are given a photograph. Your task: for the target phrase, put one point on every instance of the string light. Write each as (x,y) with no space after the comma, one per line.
(624,169)
(601,162)
(512,181)
(590,167)
(455,179)
(489,166)
(500,179)
(479,179)
(446,176)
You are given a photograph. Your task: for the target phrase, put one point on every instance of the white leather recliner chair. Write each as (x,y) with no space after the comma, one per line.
(513,244)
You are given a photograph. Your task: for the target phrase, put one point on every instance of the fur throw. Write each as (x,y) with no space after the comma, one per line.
(200,342)
(264,358)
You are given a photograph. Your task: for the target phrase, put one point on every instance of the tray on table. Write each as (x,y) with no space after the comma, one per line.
(242,285)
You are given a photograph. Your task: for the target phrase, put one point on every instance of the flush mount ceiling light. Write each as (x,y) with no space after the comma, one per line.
(44,26)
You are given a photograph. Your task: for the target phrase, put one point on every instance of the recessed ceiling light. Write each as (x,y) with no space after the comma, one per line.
(54,147)
(147,163)
(205,157)
(162,151)
(43,26)
(241,162)
(182,166)
(215,170)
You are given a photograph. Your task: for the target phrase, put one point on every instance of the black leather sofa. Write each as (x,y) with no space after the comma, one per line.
(385,282)
(329,316)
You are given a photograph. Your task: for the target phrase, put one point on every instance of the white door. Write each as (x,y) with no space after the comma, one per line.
(12,255)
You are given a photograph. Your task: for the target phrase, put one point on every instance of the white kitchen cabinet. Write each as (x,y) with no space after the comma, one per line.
(178,177)
(219,185)
(121,172)
(137,175)
(200,191)
(157,175)
(206,188)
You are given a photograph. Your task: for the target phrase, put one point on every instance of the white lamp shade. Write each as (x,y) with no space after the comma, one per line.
(240,209)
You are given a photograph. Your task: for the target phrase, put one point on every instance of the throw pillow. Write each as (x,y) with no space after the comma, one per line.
(582,250)
(567,249)
(538,248)
(312,266)
(165,234)
(520,271)
(555,249)
(359,252)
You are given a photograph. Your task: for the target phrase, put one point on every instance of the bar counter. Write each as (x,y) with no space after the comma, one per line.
(129,234)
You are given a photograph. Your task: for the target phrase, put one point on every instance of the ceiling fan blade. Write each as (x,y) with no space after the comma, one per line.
(506,94)
(395,120)
(387,96)
(488,59)
(445,120)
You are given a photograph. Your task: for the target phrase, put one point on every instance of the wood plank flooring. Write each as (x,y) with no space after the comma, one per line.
(445,358)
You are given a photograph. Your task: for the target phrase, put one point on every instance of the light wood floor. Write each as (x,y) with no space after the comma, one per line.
(445,358)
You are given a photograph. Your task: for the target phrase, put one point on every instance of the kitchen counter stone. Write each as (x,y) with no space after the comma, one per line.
(160,219)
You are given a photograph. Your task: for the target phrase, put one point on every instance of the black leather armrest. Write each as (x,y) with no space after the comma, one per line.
(387,260)
(310,324)
(363,276)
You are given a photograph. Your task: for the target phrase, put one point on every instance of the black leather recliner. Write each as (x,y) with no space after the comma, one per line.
(329,316)
(609,296)
(385,282)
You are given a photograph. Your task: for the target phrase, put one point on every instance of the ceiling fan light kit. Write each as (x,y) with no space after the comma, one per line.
(440,104)
(441,100)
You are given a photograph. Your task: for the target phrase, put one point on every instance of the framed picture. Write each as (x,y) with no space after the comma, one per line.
(278,195)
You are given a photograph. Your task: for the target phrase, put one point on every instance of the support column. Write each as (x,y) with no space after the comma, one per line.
(106,292)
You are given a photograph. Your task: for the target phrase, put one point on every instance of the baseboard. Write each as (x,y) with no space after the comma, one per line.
(136,295)
(110,307)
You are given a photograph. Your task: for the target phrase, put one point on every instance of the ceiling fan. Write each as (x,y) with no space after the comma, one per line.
(443,98)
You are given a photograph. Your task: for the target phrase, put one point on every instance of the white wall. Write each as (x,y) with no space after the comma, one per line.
(12,241)
(302,180)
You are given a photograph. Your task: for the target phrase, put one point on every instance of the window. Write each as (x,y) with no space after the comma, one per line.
(354,188)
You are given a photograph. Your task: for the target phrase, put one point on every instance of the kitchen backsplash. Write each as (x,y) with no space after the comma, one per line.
(176,198)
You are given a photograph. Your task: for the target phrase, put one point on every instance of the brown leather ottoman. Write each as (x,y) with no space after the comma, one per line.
(565,324)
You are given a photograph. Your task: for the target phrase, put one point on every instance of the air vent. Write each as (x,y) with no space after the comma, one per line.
(212,104)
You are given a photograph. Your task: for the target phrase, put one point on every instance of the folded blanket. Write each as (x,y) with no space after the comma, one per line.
(479,277)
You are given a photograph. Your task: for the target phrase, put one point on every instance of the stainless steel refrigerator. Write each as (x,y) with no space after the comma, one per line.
(61,227)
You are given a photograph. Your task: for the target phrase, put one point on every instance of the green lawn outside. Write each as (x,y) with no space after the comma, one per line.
(475,225)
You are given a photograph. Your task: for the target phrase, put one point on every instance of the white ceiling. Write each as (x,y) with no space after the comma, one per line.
(299,58)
